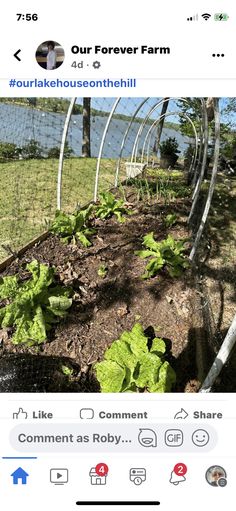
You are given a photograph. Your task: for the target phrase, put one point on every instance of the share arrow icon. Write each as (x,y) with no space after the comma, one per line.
(16,55)
(182,414)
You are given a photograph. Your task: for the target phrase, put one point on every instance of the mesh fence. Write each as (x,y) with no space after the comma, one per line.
(30,137)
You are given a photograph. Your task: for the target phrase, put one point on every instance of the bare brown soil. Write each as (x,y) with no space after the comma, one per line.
(104,307)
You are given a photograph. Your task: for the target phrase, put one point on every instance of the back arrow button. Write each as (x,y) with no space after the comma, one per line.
(16,55)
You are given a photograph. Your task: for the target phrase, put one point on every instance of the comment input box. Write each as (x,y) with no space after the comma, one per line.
(119,438)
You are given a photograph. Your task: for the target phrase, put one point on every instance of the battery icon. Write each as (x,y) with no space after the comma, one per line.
(221,17)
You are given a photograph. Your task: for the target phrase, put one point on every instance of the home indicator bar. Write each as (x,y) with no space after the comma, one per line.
(118,503)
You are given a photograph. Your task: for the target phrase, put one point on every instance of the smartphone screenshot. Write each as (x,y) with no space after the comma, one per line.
(117,256)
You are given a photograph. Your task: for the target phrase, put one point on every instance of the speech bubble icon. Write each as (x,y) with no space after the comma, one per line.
(147,438)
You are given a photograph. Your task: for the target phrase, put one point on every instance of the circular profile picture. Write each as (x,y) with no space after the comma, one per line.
(50,55)
(216,476)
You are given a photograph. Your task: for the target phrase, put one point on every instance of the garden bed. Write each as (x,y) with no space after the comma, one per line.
(103,307)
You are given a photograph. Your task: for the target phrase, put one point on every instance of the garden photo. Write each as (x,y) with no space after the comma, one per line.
(117,245)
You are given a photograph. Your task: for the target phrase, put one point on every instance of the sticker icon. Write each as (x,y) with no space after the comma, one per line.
(147,438)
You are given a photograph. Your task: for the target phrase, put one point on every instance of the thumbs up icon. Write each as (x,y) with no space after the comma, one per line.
(21,414)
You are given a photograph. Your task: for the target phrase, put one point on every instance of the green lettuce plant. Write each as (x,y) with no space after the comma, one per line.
(102,271)
(67,371)
(74,227)
(110,206)
(34,305)
(168,254)
(170,220)
(130,365)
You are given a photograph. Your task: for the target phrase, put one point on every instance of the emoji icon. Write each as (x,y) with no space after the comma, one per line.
(200,437)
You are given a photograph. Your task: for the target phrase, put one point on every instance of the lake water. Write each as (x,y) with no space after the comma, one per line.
(20,124)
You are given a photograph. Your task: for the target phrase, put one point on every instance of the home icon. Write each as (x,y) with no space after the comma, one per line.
(96,479)
(19,475)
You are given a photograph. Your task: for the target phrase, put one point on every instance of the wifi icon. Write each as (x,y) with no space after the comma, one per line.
(206,16)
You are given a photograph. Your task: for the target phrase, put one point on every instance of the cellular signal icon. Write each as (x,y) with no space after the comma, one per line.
(206,16)
(193,18)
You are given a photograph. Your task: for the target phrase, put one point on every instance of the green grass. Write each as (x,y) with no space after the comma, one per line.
(172,175)
(28,194)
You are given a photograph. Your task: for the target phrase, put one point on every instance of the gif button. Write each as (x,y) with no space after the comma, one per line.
(174,437)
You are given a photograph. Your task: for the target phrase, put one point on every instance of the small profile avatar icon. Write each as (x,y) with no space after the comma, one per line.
(50,55)
(216,476)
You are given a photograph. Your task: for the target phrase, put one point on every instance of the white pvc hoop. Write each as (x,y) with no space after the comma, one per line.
(221,358)
(124,139)
(159,103)
(212,182)
(204,159)
(157,121)
(62,148)
(142,125)
(101,148)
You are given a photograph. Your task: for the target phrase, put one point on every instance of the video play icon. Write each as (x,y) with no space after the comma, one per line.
(59,475)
